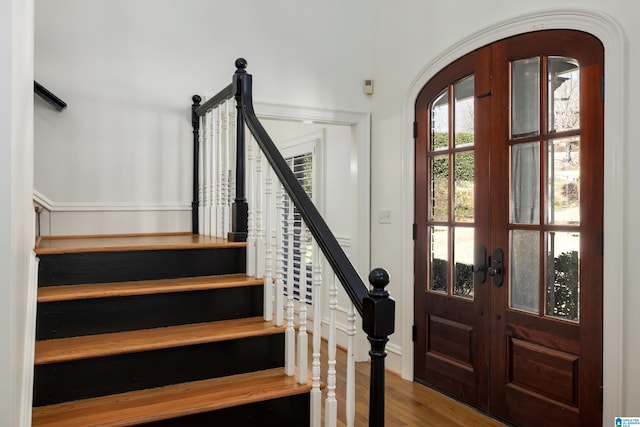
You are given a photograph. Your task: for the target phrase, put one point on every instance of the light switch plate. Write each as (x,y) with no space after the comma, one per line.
(384,216)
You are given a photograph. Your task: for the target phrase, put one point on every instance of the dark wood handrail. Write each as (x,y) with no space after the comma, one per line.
(327,242)
(375,305)
(48,96)
(217,99)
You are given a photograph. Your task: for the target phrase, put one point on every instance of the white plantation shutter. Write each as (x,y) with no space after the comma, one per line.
(302,167)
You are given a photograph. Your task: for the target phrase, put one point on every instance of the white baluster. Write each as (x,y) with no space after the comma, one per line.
(219,172)
(279,255)
(303,340)
(206,162)
(268,260)
(331,404)
(351,366)
(212,174)
(224,172)
(251,242)
(232,158)
(230,198)
(260,241)
(316,393)
(290,338)
(201,174)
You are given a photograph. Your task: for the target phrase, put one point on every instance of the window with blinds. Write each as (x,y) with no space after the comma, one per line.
(302,167)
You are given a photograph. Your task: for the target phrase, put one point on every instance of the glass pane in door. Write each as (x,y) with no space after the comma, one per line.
(563,181)
(524,268)
(464,186)
(563,275)
(525,97)
(563,76)
(464,112)
(440,122)
(438,258)
(463,238)
(525,183)
(439,197)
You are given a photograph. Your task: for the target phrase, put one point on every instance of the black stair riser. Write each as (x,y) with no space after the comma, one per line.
(62,319)
(290,411)
(102,267)
(82,379)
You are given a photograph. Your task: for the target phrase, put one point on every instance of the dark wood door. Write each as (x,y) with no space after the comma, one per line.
(509,201)
(452,220)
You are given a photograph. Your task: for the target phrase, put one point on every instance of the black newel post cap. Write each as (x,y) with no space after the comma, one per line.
(195,120)
(378,314)
(241,64)
(237,79)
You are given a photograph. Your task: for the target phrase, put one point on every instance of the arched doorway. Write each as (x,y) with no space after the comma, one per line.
(508,253)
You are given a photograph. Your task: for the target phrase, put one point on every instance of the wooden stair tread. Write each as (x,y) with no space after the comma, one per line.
(48,245)
(85,347)
(143,287)
(144,406)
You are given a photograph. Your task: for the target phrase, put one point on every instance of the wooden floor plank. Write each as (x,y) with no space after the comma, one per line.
(75,348)
(143,287)
(48,245)
(407,403)
(149,405)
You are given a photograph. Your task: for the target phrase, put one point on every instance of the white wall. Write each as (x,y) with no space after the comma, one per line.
(128,69)
(405,41)
(16,214)
(111,58)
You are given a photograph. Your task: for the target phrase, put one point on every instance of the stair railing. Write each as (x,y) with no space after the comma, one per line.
(219,169)
(48,96)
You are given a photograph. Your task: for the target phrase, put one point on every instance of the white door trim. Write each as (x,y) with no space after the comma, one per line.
(610,34)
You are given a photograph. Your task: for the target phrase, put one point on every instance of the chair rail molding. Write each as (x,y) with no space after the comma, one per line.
(52,206)
(610,33)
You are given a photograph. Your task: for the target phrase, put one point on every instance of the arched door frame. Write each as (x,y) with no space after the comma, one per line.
(611,36)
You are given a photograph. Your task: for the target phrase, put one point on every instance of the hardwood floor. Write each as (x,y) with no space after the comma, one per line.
(407,403)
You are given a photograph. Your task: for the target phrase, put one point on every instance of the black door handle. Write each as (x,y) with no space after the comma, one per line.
(480,264)
(496,268)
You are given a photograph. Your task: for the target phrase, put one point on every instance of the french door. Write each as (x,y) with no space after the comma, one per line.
(509,211)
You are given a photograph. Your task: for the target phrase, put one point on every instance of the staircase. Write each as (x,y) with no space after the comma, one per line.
(158,330)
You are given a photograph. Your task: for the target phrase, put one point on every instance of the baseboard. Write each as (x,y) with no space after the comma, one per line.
(393,360)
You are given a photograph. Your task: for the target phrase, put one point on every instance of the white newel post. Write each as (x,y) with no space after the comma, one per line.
(251,247)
